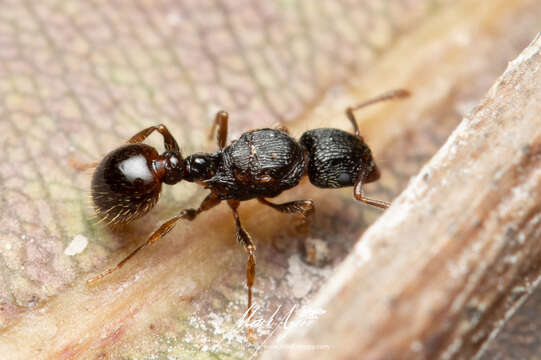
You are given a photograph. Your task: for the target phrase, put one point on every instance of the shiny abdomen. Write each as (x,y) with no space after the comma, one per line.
(124,185)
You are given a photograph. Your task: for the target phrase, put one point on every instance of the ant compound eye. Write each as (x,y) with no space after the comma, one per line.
(344,179)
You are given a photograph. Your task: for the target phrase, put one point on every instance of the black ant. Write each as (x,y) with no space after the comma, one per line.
(260,164)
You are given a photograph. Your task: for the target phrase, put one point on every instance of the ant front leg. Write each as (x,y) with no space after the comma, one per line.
(220,121)
(359,195)
(168,139)
(358,188)
(187,214)
(246,241)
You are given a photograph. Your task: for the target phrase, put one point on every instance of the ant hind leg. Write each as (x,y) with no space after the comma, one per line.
(168,139)
(220,121)
(187,214)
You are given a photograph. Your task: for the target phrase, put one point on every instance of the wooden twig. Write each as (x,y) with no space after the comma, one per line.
(456,254)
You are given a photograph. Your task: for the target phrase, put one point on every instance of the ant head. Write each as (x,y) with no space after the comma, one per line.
(373,174)
(174,166)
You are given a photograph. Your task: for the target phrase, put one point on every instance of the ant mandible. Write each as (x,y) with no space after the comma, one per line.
(260,164)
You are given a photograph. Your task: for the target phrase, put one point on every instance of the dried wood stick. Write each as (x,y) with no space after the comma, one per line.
(458,251)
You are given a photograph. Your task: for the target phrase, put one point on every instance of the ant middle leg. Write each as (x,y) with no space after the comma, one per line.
(246,241)
(220,121)
(389,95)
(359,196)
(303,207)
(168,139)
(187,214)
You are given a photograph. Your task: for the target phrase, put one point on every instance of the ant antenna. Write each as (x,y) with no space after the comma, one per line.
(390,95)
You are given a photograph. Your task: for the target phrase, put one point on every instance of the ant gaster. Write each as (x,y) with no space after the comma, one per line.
(260,164)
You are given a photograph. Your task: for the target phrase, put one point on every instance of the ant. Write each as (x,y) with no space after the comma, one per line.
(261,164)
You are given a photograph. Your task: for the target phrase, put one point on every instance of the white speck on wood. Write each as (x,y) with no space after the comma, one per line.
(77,245)
(295,278)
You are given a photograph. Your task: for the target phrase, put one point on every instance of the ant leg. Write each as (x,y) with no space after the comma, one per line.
(221,122)
(303,207)
(246,241)
(168,139)
(359,195)
(281,127)
(187,214)
(390,95)
(357,190)
(81,166)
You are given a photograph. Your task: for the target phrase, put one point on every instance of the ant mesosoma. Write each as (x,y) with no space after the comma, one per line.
(260,164)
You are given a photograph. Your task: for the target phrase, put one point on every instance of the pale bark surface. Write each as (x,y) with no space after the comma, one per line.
(78,78)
